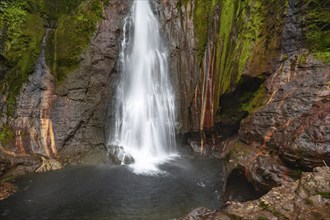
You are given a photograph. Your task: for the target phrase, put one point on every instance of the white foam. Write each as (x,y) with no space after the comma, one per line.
(145,111)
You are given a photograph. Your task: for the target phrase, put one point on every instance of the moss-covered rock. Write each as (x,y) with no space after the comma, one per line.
(318,28)
(72,36)
(22,27)
(22,36)
(235,38)
(203,14)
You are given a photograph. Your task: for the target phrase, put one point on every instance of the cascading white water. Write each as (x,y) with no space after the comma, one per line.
(144,115)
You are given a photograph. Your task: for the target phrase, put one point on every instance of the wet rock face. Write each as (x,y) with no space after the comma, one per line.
(67,118)
(80,104)
(32,116)
(178,28)
(72,113)
(294,121)
(118,154)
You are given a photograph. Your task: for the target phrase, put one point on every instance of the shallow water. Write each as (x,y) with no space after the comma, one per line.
(114,192)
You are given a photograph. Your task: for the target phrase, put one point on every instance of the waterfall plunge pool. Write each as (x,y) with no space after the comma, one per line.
(115,192)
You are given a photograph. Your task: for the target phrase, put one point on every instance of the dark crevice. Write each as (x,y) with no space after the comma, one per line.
(238,188)
(235,106)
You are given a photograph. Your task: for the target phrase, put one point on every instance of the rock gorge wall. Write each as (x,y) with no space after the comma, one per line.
(60,107)
(215,44)
(263,56)
(266,62)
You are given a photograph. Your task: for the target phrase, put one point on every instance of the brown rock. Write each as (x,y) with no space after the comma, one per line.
(295,119)
(307,198)
(7,189)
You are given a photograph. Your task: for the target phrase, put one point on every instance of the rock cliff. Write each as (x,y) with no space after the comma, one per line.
(256,71)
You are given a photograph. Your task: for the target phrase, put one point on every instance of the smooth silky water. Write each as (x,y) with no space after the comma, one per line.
(144,121)
(115,192)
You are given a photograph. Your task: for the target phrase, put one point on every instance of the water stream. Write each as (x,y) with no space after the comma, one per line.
(144,112)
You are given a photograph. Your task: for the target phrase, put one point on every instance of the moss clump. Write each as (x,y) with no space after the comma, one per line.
(22,26)
(72,37)
(23,36)
(6,134)
(225,45)
(255,100)
(203,15)
(318,28)
(325,195)
(302,59)
(263,205)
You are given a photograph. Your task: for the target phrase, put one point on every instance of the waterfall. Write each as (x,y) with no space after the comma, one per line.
(144,106)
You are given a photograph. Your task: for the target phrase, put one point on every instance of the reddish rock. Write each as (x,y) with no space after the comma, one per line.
(294,122)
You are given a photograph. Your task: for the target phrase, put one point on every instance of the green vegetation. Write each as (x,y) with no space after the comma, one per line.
(203,15)
(72,37)
(23,32)
(225,45)
(302,59)
(325,195)
(254,100)
(22,25)
(318,28)
(263,205)
(6,134)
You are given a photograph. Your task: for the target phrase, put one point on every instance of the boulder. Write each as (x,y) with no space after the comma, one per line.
(119,155)
(307,198)
(48,164)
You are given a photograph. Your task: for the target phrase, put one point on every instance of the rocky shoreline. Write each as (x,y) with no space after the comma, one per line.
(306,198)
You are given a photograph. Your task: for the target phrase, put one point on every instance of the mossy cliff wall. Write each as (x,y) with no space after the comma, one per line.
(23,25)
(213,43)
(57,73)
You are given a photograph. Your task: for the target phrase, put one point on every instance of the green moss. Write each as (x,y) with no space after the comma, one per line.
(182,3)
(262,218)
(323,55)
(302,59)
(250,34)
(256,100)
(72,36)
(203,14)
(24,33)
(325,195)
(308,201)
(23,23)
(226,22)
(263,205)
(6,134)
(240,27)
(318,22)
